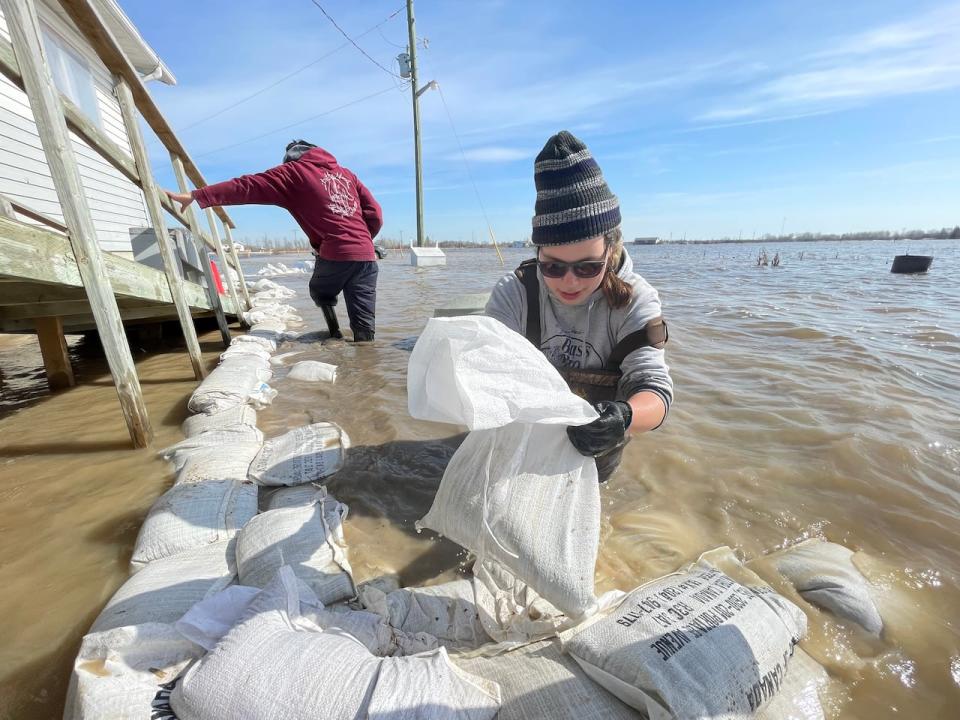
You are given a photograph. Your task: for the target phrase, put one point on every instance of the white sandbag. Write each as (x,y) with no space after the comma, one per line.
(179,453)
(164,590)
(246,348)
(446,611)
(268,343)
(282,358)
(278,665)
(539,681)
(824,575)
(235,381)
(302,455)
(695,643)
(274,311)
(497,481)
(271,328)
(191,515)
(201,423)
(313,371)
(223,462)
(119,673)
(274,498)
(475,371)
(801,691)
(207,622)
(308,538)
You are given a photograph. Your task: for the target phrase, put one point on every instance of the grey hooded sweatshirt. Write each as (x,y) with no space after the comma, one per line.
(583,336)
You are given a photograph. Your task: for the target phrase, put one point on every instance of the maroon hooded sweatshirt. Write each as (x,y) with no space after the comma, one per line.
(338,214)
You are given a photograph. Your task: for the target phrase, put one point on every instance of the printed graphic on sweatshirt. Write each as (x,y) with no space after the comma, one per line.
(342,200)
(571,352)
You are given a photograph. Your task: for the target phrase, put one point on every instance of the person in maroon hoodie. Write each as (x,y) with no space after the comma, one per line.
(339,216)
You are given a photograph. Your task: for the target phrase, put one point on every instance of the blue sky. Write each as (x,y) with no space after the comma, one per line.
(709,119)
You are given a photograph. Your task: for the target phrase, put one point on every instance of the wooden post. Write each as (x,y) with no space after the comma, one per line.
(194,221)
(171,263)
(236,260)
(21,20)
(53,347)
(225,266)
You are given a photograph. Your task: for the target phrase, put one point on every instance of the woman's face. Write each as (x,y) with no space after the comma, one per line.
(570,289)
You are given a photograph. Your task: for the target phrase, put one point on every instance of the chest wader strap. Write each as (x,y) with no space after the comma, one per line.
(527,273)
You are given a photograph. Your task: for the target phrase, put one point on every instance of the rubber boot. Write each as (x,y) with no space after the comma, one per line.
(363,336)
(333,325)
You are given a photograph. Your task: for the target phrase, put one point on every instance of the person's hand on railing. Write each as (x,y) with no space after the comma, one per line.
(183,198)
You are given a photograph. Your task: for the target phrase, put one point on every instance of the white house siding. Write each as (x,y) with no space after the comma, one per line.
(115,203)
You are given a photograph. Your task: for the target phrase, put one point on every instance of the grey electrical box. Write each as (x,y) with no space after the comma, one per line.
(403,59)
(146,250)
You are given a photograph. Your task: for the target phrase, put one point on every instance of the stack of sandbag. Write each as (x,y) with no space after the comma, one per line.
(279,663)
(712,640)
(302,455)
(517,463)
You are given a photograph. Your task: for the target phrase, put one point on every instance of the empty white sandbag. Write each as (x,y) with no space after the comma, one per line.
(119,673)
(824,575)
(313,371)
(477,372)
(277,664)
(164,590)
(308,538)
(200,423)
(539,681)
(695,643)
(302,455)
(191,515)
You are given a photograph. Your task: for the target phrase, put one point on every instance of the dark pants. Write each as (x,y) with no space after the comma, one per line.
(357,280)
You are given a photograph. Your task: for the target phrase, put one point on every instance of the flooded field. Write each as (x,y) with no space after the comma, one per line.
(820,398)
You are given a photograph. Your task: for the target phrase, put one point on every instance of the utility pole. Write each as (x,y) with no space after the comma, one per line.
(415,93)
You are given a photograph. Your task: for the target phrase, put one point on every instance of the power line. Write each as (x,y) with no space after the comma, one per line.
(352,41)
(299,122)
(292,74)
(466,164)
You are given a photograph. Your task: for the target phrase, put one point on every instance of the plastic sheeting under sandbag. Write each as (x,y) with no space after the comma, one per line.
(517,462)
(313,371)
(192,515)
(235,381)
(446,611)
(307,538)
(825,575)
(695,643)
(302,455)
(164,590)
(539,681)
(179,453)
(279,665)
(119,673)
(223,462)
(226,419)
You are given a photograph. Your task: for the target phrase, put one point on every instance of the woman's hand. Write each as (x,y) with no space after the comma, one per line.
(606,432)
(183,198)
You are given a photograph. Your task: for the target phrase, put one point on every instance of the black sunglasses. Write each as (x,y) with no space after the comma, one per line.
(583,269)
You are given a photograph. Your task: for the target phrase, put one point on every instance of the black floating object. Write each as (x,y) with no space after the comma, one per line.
(911,263)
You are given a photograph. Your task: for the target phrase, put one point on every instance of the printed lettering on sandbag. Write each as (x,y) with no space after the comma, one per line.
(698,642)
(300,456)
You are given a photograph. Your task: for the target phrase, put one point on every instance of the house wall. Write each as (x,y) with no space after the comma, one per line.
(115,203)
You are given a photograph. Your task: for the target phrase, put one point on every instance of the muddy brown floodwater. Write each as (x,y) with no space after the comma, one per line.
(820,398)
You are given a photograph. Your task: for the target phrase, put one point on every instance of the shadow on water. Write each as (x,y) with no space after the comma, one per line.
(64,448)
(397,481)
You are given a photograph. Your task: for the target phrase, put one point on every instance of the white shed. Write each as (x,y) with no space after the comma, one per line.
(116,204)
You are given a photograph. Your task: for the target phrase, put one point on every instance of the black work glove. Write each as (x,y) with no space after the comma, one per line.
(606,432)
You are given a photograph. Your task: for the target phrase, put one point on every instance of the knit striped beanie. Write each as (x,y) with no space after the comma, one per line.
(574,202)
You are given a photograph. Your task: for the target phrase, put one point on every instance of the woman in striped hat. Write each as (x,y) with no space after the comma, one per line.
(579,301)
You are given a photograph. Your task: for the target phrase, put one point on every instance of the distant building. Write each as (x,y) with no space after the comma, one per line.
(646,241)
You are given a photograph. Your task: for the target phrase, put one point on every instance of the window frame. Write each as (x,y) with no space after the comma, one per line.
(70,68)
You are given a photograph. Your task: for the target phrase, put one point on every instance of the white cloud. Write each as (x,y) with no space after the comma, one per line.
(921,55)
(494,154)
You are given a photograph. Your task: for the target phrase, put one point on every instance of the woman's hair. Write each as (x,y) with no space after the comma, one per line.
(617,291)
